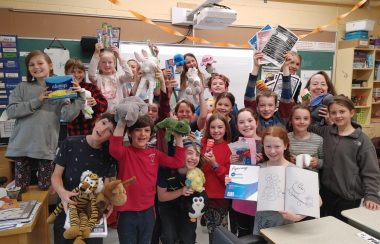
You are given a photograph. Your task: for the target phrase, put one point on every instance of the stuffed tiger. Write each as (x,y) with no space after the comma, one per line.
(81,221)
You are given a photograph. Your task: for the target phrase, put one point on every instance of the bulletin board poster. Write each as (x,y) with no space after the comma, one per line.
(9,68)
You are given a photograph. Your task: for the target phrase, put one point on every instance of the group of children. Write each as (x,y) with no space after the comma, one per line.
(279,129)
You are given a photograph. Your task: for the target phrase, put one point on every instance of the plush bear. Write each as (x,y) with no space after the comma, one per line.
(194,82)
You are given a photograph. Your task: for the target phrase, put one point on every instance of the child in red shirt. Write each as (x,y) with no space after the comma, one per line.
(136,216)
(216,167)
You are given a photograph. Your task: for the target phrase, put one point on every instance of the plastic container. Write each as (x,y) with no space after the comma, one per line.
(356,35)
(360,25)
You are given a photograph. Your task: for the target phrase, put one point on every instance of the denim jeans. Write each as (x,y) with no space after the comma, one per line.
(136,227)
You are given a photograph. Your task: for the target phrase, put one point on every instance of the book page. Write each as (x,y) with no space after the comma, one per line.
(276,86)
(282,41)
(244,182)
(302,192)
(271,189)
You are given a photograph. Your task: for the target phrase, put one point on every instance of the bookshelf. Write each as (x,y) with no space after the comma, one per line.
(358,77)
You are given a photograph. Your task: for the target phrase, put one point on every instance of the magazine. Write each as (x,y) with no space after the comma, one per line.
(253,41)
(99,231)
(21,214)
(108,35)
(280,42)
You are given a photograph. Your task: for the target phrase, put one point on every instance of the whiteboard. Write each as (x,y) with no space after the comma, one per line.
(234,63)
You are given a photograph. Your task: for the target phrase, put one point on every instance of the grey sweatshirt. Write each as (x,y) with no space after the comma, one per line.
(350,166)
(37,124)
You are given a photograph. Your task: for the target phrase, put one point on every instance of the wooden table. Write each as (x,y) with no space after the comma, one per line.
(364,219)
(37,231)
(324,230)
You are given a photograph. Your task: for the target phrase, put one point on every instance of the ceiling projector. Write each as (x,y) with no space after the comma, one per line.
(214,18)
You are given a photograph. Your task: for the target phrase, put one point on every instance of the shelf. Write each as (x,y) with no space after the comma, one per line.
(376,81)
(376,103)
(361,88)
(362,106)
(362,68)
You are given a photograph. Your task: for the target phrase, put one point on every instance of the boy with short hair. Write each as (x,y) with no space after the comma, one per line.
(136,216)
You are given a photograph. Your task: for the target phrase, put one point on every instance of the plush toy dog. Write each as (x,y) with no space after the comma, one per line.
(148,65)
(194,82)
(172,125)
(81,221)
(113,193)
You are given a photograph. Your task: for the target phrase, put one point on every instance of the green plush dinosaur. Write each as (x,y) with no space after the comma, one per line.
(172,125)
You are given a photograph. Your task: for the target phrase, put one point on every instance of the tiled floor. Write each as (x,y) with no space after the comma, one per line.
(202,235)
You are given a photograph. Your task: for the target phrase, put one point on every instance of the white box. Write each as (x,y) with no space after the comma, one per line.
(360,25)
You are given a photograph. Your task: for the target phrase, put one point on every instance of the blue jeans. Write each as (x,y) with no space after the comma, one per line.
(136,227)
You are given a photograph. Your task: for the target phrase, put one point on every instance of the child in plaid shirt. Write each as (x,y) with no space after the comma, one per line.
(80,125)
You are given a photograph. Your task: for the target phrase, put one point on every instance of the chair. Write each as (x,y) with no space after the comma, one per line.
(224,236)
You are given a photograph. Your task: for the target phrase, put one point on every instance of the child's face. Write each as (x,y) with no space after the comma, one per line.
(246,124)
(301,120)
(217,130)
(294,65)
(39,68)
(318,85)
(107,64)
(217,86)
(266,107)
(140,137)
(184,112)
(190,62)
(134,66)
(153,111)
(340,115)
(77,73)
(192,157)
(274,148)
(102,130)
(224,106)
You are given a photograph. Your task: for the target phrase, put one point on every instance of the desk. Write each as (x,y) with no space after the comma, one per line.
(37,231)
(364,219)
(324,230)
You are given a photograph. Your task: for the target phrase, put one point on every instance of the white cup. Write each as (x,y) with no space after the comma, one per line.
(303,160)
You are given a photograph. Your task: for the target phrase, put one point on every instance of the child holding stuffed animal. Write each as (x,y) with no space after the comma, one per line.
(270,113)
(76,155)
(174,194)
(82,125)
(191,64)
(109,80)
(318,92)
(35,135)
(217,164)
(136,217)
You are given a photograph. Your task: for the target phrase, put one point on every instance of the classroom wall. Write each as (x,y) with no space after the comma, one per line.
(250,12)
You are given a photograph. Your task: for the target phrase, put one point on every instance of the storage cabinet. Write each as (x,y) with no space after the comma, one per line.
(355,78)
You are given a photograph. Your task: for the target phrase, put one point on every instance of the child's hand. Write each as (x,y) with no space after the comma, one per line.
(65,197)
(76,87)
(291,216)
(324,113)
(234,158)
(227,180)
(167,73)
(44,95)
(209,157)
(115,51)
(91,101)
(293,158)
(98,48)
(371,205)
(159,74)
(257,56)
(109,210)
(288,60)
(187,191)
(259,157)
(314,162)
(171,84)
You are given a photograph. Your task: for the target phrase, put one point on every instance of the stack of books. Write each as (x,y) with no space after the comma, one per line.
(19,215)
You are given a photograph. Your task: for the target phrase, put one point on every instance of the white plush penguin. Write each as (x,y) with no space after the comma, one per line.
(197,204)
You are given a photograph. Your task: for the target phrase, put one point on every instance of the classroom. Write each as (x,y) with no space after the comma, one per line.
(189,121)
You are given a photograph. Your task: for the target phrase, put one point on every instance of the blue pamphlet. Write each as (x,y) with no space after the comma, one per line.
(244,182)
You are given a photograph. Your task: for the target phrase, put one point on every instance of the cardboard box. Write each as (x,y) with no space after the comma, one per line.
(363,43)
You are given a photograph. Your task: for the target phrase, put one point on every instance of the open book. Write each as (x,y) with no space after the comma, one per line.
(277,188)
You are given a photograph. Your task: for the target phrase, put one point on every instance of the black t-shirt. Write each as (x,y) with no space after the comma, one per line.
(76,156)
(171,180)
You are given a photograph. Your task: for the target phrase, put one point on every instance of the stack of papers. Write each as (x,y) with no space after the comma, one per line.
(15,217)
